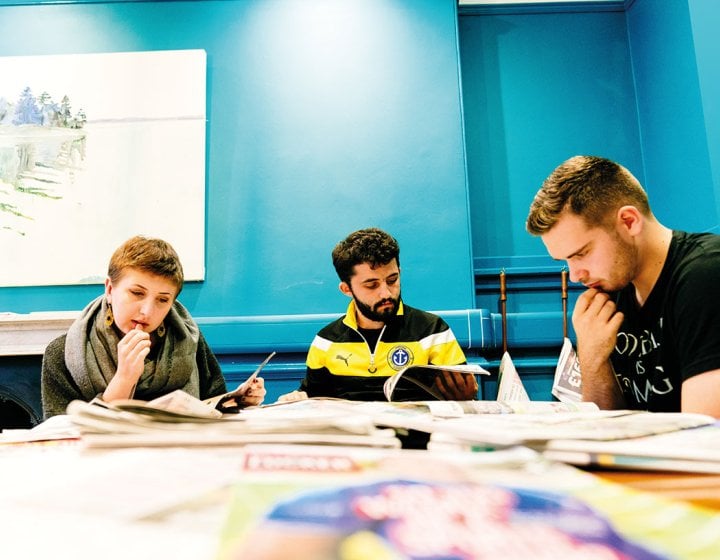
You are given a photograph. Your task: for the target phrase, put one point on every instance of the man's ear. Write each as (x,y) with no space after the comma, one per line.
(630,220)
(345,289)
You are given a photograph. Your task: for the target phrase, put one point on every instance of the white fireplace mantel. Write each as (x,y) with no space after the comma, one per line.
(27,334)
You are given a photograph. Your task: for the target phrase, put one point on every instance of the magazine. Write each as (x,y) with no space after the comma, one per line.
(309,503)
(423,382)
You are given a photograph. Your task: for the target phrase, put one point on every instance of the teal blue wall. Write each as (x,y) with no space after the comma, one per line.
(538,88)
(665,53)
(705,21)
(323,117)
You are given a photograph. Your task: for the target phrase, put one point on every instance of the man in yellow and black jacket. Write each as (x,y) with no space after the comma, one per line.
(353,356)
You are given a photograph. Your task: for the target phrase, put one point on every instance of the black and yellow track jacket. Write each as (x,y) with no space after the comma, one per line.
(341,363)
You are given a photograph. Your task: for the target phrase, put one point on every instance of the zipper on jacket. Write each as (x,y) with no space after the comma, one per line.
(372,368)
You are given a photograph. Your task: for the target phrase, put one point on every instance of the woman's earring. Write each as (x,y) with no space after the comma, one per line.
(161,330)
(109,318)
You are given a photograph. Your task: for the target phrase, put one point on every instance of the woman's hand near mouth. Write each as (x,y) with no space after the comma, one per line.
(133,348)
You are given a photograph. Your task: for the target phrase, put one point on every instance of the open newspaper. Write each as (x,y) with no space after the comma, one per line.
(180,406)
(423,382)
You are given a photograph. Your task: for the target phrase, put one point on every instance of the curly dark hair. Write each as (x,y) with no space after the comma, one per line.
(370,245)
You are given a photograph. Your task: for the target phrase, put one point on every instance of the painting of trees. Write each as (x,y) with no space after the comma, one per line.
(33,149)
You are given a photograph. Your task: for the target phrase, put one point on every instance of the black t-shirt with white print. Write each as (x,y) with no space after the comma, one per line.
(676,334)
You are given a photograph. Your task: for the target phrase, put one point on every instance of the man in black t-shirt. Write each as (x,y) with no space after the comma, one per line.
(648,327)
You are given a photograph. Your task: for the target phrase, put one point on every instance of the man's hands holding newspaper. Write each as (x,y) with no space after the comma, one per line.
(457,386)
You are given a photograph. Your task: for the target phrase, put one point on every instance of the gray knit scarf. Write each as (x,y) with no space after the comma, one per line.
(91,354)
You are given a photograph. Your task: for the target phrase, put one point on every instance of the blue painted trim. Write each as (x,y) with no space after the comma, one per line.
(490,284)
(541,365)
(514,265)
(544,8)
(522,274)
(475,329)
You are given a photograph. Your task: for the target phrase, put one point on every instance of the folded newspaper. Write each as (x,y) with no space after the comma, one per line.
(567,383)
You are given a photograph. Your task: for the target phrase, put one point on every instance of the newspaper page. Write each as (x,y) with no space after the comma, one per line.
(567,385)
(510,386)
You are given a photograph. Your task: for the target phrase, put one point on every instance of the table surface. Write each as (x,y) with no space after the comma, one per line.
(156,500)
(697,489)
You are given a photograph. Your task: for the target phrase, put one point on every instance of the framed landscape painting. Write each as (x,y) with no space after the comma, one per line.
(96,148)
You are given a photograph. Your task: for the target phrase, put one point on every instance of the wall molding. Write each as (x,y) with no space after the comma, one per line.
(27,334)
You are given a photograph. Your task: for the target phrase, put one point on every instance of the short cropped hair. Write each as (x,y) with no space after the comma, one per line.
(591,187)
(370,245)
(149,255)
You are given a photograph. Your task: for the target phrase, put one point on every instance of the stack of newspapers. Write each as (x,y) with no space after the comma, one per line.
(179,419)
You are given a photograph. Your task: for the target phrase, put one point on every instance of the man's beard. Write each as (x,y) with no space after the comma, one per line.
(373,314)
(625,265)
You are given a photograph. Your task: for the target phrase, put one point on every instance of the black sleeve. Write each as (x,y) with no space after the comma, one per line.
(695,318)
(57,387)
(313,385)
